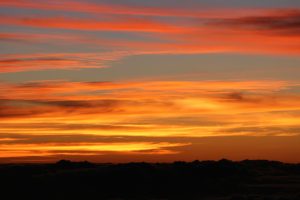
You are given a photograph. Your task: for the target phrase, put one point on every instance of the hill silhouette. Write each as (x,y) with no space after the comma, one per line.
(224,179)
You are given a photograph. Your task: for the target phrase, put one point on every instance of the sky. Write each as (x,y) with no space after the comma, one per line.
(155,81)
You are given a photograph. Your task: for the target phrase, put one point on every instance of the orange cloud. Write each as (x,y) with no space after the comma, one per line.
(129,111)
(279,22)
(71,90)
(24,150)
(129,24)
(135,108)
(268,32)
(33,62)
(105,8)
(230,44)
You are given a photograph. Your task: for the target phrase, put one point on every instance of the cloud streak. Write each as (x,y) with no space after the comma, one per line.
(278,22)
(139,25)
(66,61)
(21,150)
(64,118)
(147,108)
(263,31)
(122,9)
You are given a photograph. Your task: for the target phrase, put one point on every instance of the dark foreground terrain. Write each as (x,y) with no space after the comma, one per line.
(227,180)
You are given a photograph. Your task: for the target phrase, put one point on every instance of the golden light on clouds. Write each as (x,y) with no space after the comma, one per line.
(176,109)
(95,80)
(20,150)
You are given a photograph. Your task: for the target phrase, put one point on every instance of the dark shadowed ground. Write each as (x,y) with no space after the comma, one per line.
(223,180)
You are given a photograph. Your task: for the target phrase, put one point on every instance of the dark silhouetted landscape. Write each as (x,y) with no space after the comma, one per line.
(223,180)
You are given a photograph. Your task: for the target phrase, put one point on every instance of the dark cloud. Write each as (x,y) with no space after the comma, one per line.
(68,126)
(236,96)
(15,108)
(29,60)
(266,130)
(241,97)
(279,22)
(23,108)
(90,138)
(14,112)
(248,98)
(182,120)
(105,103)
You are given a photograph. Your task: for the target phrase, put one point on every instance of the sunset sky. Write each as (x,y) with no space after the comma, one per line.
(156,81)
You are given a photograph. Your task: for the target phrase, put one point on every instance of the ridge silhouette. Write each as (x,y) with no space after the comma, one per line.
(223,179)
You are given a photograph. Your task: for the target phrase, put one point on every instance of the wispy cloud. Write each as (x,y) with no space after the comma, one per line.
(263,31)
(34,62)
(147,108)
(138,117)
(25,150)
(279,22)
(139,25)
(122,9)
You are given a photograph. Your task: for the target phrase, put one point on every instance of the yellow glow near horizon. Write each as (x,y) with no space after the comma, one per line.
(206,109)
